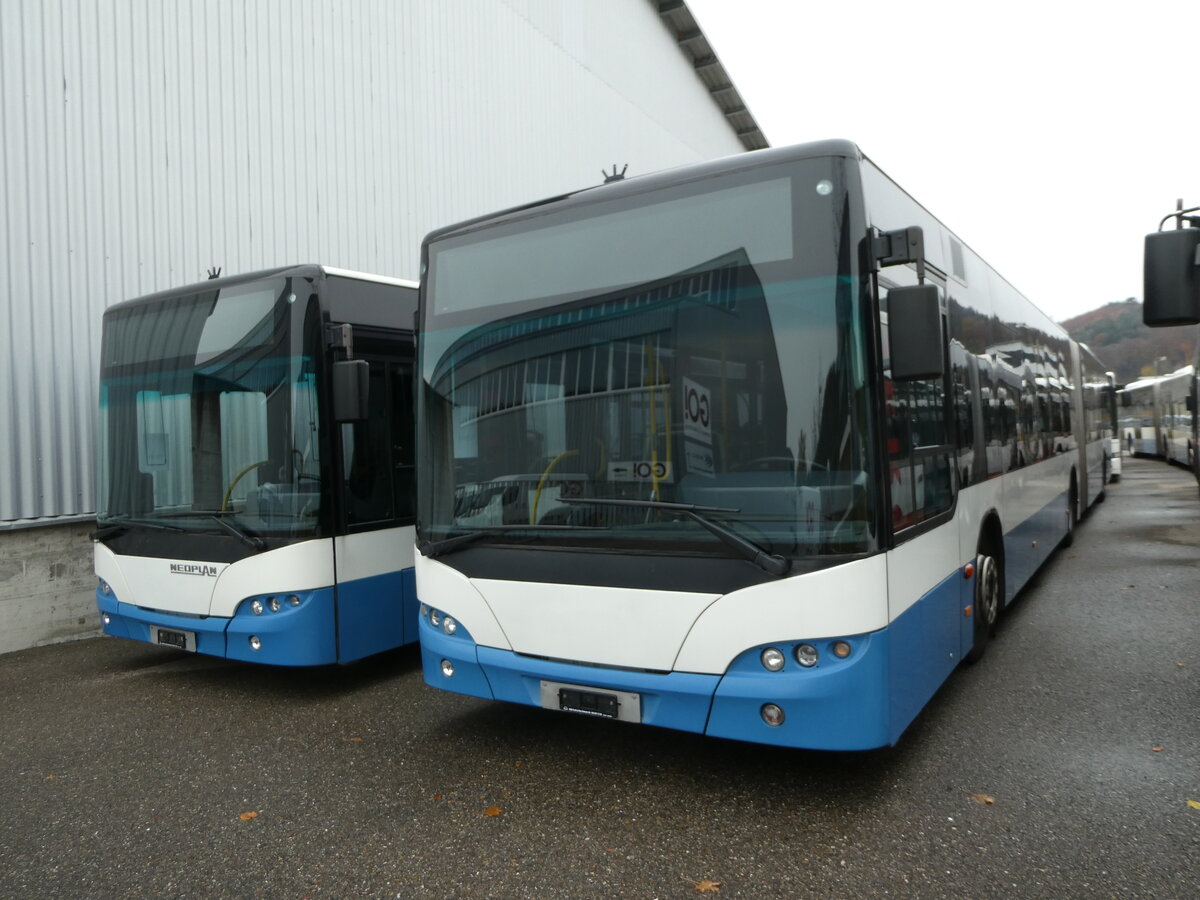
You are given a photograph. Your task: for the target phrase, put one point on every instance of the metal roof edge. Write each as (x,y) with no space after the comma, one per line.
(679,21)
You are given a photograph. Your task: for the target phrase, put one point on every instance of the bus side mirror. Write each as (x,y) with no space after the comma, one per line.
(915,338)
(1171,287)
(351,379)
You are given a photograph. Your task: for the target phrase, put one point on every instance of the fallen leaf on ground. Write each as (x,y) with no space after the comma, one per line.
(493,811)
(985,799)
(247,816)
(707,887)
(1158,749)
(1194,804)
(356,740)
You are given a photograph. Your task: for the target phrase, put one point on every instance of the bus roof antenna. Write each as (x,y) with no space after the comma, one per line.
(614,175)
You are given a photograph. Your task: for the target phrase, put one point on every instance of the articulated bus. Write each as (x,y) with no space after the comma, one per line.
(755,448)
(1157,417)
(256,471)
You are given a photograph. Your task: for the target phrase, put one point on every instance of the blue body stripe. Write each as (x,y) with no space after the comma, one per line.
(373,614)
(858,703)
(1030,544)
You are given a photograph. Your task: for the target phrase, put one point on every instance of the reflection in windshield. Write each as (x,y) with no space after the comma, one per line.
(209,413)
(730,385)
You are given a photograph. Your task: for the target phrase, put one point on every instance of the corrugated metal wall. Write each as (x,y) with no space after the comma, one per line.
(145,140)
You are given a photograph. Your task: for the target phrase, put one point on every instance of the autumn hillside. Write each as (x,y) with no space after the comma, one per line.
(1116,335)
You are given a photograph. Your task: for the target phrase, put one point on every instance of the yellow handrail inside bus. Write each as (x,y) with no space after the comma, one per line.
(542,482)
(237,478)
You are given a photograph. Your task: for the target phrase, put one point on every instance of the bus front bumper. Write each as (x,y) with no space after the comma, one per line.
(297,635)
(838,704)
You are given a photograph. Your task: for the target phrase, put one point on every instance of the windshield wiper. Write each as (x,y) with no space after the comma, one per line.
(772,563)
(114,528)
(251,540)
(431,549)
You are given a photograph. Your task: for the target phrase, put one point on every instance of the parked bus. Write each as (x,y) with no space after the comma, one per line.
(755,448)
(1157,417)
(255,480)
(1176,392)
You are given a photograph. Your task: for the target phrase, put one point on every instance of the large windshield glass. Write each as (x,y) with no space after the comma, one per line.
(697,345)
(208,412)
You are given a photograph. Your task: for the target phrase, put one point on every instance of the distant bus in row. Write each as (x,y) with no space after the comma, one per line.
(1157,417)
(256,467)
(756,448)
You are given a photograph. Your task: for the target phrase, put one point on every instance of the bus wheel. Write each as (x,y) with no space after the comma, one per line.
(987,604)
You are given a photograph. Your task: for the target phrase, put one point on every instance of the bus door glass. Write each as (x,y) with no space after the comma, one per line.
(920,447)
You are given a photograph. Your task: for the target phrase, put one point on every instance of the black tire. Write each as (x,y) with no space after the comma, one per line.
(989,595)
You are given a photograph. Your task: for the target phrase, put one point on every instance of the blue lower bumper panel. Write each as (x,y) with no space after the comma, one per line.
(839,704)
(310,628)
(295,636)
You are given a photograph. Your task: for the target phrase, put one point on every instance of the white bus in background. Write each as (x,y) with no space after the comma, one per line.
(1157,418)
(256,484)
(755,448)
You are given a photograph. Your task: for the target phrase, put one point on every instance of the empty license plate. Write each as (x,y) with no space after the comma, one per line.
(576,698)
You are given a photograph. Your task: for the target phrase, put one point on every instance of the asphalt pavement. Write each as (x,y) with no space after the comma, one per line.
(1065,764)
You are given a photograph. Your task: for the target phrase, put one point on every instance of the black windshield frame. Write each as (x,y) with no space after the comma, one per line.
(267,359)
(838,234)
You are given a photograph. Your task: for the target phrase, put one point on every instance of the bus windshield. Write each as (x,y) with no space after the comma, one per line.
(591,367)
(208,412)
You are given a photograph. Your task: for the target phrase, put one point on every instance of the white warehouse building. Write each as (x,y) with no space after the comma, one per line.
(144,142)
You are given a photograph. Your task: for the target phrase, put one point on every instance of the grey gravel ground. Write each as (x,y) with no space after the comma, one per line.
(125,770)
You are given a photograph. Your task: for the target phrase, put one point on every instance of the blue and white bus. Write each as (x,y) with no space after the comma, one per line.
(256,471)
(755,448)
(1157,416)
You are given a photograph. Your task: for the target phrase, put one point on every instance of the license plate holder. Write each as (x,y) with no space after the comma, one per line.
(592,701)
(173,637)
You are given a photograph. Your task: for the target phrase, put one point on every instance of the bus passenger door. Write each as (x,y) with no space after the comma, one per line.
(374,554)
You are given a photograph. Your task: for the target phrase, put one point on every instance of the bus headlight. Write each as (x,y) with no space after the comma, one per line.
(256,607)
(841,649)
(806,655)
(435,618)
(105,588)
(447,668)
(255,643)
(449,625)
(294,600)
(274,603)
(772,714)
(772,659)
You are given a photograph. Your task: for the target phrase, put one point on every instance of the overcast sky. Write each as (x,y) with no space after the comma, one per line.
(1050,136)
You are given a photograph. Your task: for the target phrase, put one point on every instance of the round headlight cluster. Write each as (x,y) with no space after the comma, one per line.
(105,587)
(437,619)
(274,604)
